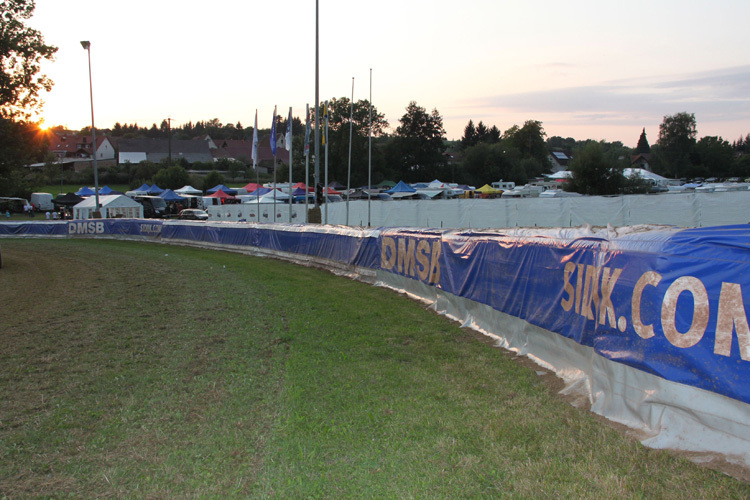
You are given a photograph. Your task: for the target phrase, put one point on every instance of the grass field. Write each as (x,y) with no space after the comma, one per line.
(133,370)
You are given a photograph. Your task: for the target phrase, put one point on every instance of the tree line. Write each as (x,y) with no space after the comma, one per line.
(414,150)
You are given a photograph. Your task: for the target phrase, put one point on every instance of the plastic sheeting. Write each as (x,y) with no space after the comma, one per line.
(650,323)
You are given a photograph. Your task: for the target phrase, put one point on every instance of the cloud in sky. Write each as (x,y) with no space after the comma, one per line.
(719,95)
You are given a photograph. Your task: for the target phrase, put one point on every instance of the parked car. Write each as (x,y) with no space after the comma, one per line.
(193,214)
(154,207)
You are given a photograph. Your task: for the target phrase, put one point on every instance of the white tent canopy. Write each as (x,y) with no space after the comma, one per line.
(111,205)
(188,190)
(562,174)
(645,174)
(281,196)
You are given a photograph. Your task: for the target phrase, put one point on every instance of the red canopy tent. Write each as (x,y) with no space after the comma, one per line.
(301,185)
(221,194)
(251,187)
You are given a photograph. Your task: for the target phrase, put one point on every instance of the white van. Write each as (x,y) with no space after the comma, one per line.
(42,201)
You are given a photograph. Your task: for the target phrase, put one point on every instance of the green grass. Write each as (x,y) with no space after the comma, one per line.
(137,370)
(72,188)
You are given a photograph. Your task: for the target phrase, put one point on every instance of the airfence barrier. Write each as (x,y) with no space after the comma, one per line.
(649,328)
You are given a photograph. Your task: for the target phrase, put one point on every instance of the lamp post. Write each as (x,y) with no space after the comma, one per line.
(87,47)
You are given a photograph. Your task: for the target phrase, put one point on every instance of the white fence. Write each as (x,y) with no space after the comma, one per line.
(684,210)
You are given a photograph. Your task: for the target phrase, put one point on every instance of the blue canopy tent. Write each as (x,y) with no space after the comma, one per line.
(229,191)
(401,190)
(260,191)
(155,190)
(143,189)
(85,191)
(300,193)
(169,195)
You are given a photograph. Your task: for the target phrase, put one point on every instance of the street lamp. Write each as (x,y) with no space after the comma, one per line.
(87,47)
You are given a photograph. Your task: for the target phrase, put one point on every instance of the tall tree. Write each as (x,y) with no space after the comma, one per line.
(529,140)
(419,144)
(715,155)
(482,133)
(469,138)
(643,146)
(339,114)
(21,51)
(676,144)
(493,136)
(594,173)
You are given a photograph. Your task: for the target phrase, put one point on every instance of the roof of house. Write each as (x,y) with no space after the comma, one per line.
(239,148)
(73,143)
(158,149)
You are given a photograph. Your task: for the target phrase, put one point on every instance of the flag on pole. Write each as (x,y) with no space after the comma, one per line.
(273,132)
(325,121)
(288,137)
(307,132)
(255,140)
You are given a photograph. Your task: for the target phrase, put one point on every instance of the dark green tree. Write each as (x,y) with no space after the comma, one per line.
(594,173)
(482,132)
(418,147)
(676,145)
(715,155)
(212,179)
(486,163)
(493,135)
(173,177)
(529,140)
(469,138)
(643,146)
(340,116)
(22,50)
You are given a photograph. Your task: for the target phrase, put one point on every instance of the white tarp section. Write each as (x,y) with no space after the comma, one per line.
(188,190)
(251,211)
(679,209)
(133,158)
(111,205)
(665,415)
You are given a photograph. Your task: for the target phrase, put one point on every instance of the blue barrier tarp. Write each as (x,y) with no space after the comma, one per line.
(669,302)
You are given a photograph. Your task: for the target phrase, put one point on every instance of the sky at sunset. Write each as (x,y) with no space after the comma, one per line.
(585,69)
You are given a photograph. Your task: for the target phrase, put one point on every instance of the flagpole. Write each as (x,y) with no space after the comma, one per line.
(325,138)
(288,142)
(255,162)
(273,149)
(317,104)
(306,150)
(349,172)
(369,158)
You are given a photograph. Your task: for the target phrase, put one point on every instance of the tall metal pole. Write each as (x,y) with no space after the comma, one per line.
(325,185)
(291,198)
(349,172)
(87,46)
(317,104)
(306,149)
(369,158)
(169,140)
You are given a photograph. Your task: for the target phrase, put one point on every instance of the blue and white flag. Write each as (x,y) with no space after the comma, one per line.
(288,137)
(307,132)
(273,132)
(255,140)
